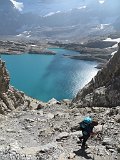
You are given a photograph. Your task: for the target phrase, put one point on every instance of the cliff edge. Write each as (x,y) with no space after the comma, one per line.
(104,89)
(10,98)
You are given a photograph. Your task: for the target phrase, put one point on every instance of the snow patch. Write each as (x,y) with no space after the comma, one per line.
(82,7)
(25,33)
(102,26)
(117,40)
(112,40)
(18,5)
(101,1)
(113,53)
(33,45)
(115,46)
(51,13)
(28,36)
(58,11)
(19,35)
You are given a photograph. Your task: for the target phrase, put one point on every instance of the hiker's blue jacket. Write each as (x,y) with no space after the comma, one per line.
(87,129)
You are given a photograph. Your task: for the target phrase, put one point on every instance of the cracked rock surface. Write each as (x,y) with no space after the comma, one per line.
(52,133)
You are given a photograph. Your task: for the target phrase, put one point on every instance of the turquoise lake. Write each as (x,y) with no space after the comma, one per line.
(46,76)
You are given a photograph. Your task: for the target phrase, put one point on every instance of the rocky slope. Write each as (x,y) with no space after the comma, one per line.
(104,88)
(51,133)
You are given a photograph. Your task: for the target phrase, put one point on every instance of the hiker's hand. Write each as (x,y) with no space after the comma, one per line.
(93,134)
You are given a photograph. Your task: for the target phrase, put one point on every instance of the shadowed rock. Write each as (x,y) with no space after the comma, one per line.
(10,98)
(104,88)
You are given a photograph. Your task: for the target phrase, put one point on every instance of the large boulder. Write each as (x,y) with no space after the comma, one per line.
(104,89)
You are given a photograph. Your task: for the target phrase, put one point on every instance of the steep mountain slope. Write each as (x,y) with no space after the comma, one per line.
(104,88)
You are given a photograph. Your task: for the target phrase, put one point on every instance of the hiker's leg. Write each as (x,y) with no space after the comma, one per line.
(85,138)
(81,137)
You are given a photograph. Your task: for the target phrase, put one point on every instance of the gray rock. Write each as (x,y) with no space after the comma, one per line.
(29,120)
(66,101)
(50,116)
(98,128)
(53,101)
(62,157)
(77,133)
(117,118)
(118,148)
(107,141)
(71,155)
(48,147)
(62,136)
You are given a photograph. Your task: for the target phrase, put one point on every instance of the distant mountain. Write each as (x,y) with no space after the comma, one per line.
(117,24)
(44,7)
(58,19)
(8,18)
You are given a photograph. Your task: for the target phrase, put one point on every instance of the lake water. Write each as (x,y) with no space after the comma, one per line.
(46,76)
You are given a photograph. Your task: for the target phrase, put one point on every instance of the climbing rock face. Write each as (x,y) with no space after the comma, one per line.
(4,78)
(10,98)
(104,89)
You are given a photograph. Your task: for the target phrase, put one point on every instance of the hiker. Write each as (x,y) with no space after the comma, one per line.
(87,126)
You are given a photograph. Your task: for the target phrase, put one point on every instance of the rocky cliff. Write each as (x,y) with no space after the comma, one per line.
(104,89)
(10,98)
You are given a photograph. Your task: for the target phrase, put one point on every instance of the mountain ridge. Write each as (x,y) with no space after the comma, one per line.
(16,22)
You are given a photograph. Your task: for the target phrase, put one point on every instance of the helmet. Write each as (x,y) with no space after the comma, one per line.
(87,120)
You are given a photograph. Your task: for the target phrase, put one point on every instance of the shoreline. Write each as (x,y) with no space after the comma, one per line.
(101,51)
(18,48)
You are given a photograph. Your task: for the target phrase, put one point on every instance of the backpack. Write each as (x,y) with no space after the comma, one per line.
(85,123)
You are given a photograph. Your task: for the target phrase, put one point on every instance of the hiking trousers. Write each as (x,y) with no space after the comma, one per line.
(85,138)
